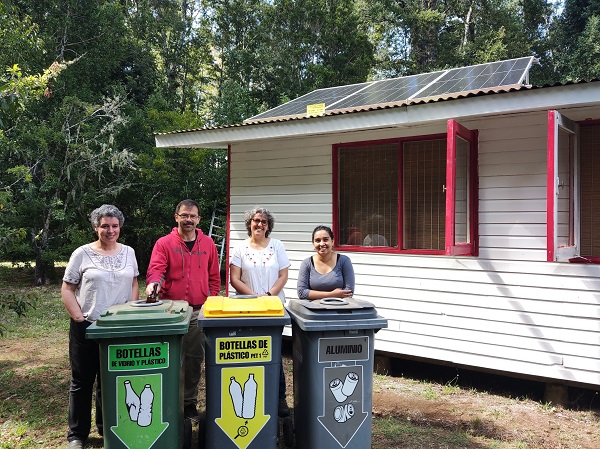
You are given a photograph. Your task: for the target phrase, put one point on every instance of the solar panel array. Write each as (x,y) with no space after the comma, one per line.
(463,79)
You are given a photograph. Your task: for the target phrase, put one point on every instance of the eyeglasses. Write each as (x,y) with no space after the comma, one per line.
(262,222)
(187,216)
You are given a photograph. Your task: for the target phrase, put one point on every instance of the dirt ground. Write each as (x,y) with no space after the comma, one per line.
(507,416)
(488,415)
(495,407)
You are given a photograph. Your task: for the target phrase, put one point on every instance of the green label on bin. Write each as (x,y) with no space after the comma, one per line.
(138,357)
(243,350)
(139,404)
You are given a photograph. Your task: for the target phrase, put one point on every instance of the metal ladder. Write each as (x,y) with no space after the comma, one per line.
(217,232)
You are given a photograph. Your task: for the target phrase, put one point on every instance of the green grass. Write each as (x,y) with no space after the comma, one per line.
(34,383)
(34,374)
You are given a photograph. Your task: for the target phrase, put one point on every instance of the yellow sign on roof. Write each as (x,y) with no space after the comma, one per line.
(314,110)
(224,307)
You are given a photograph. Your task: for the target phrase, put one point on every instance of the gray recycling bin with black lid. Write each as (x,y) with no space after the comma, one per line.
(333,355)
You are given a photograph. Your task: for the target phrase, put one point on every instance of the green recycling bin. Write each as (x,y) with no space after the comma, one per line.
(242,362)
(141,375)
(333,351)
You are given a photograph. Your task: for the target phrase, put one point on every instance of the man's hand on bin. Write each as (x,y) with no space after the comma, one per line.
(150,288)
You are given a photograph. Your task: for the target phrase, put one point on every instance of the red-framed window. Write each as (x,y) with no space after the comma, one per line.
(410,195)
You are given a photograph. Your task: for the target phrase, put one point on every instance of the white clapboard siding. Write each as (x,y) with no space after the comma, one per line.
(514,217)
(522,254)
(517,205)
(508,158)
(506,309)
(291,190)
(523,181)
(512,229)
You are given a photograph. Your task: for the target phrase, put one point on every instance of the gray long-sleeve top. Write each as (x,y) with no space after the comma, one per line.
(342,276)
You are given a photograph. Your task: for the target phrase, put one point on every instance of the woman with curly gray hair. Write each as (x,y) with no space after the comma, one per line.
(259,266)
(98,275)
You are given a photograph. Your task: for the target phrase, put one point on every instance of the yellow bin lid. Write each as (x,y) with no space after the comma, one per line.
(225,307)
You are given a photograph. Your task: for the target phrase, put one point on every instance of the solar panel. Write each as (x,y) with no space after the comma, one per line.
(298,106)
(463,79)
(387,91)
(477,77)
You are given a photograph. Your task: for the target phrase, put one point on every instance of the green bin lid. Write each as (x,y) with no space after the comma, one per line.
(335,314)
(138,318)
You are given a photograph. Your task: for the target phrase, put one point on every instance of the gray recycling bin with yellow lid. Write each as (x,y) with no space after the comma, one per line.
(242,362)
(141,375)
(333,353)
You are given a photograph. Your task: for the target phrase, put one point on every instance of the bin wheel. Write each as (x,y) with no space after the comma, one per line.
(201,431)
(288,432)
(187,433)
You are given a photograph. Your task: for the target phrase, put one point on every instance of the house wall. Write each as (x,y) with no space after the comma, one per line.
(507,309)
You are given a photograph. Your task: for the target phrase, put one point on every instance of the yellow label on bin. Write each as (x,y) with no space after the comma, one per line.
(223,307)
(243,404)
(243,349)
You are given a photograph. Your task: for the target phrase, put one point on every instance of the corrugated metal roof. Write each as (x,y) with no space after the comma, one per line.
(382,106)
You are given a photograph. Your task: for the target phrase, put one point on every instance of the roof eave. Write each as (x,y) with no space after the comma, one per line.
(391,115)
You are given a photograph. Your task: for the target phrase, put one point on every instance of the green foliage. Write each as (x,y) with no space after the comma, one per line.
(79,132)
(579,45)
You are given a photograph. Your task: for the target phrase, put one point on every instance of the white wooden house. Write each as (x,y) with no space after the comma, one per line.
(493,241)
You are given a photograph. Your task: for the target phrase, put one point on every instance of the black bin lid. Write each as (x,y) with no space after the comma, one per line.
(335,314)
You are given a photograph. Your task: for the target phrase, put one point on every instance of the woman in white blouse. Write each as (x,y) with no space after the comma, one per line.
(259,266)
(98,275)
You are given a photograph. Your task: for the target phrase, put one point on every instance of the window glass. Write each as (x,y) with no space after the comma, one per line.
(393,195)
(564,212)
(424,199)
(590,190)
(368,195)
(461,212)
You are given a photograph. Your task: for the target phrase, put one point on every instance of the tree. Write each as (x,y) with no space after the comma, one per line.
(312,44)
(575,40)
(65,162)
(418,36)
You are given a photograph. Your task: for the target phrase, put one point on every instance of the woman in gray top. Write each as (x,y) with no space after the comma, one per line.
(98,275)
(326,274)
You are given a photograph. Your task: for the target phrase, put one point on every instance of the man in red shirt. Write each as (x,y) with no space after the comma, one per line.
(185,266)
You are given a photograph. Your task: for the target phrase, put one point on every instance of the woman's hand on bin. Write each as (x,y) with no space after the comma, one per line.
(342,293)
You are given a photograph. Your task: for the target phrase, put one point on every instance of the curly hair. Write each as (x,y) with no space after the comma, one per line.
(106,210)
(249,214)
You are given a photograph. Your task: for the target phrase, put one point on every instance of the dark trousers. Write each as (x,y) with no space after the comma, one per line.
(281,382)
(193,351)
(85,370)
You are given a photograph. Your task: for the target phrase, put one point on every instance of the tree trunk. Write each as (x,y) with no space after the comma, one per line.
(39,242)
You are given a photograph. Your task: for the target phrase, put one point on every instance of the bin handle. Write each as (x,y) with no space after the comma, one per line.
(333,302)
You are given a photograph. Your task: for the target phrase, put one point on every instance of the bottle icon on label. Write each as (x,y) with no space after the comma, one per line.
(249,402)
(235,391)
(146,400)
(132,401)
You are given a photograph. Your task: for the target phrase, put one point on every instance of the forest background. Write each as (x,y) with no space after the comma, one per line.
(85,85)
